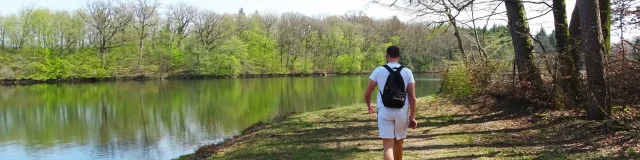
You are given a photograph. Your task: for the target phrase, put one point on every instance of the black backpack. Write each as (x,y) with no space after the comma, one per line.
(394,92)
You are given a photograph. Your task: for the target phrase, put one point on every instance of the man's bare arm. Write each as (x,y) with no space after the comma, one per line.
(411,88)
(367,94)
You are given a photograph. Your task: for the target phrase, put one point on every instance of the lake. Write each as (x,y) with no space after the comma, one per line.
(159,119)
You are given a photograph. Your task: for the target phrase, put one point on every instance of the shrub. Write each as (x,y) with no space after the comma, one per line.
(85,65)
(36,71)
(6,73)
(458,83)
(217,64)
(57,68)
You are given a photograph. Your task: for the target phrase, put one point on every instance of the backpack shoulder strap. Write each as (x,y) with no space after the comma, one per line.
(400,68)
(388,68)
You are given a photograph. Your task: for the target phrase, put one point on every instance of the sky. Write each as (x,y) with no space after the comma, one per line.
(308,7)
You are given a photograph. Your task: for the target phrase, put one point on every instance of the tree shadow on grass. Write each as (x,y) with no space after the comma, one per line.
(442,121)
(560,138)
(321,134)
(301,152)
(343,138)
(347,138)
(311,141)
(470,156)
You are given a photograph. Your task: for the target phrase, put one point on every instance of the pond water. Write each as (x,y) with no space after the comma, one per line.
(159,119)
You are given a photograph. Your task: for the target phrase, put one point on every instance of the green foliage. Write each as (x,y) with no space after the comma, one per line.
(44,44)
(303,66)
(57,68)
(262,50)
(458,83)
(36,71)
(343,64)
(50,68)
(88,67)
(217,64)
(177,59)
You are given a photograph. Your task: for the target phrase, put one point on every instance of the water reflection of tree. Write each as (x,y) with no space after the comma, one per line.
(139,114)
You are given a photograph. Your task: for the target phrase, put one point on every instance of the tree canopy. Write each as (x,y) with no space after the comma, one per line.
(116,39)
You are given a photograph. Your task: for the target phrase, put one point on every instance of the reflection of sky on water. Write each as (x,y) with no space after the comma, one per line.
(165,148)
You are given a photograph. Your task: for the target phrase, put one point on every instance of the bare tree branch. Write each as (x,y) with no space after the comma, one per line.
(538,16)
(394,3)
(539,2)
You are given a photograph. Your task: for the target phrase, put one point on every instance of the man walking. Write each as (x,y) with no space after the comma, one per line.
(395,115)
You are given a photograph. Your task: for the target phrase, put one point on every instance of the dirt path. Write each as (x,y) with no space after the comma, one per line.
(447,131)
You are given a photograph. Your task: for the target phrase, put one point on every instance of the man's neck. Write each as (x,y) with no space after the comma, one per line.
(392,62)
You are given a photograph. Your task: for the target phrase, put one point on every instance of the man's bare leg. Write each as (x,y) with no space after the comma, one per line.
(387,143)
(397,149)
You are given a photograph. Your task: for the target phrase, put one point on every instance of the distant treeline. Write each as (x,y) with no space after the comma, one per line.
(109,39)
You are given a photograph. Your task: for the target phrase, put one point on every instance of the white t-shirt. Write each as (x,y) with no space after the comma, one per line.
(380,75)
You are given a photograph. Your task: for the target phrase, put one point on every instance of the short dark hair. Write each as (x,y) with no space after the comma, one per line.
(393,51)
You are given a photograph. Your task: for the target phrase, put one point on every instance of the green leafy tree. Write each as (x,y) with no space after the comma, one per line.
(262,49)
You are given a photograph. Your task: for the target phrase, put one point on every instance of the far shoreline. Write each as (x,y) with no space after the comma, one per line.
(15,82)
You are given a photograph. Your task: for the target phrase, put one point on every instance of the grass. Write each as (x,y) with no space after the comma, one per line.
(446,131)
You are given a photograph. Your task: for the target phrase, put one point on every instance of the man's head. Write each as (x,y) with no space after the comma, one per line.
(393,54)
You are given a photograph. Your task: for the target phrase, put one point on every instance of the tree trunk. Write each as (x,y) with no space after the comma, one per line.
(353,62)
(519,29)
(281,54)
(140,45)
(569,80)
(286,65)
(456,33)
(598,99)
(198,57)
(635,49)
(575,38)
(481,52)
(605,21)
(2,36)
(103,52)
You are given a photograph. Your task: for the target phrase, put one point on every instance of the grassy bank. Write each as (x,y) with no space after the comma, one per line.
(487,129)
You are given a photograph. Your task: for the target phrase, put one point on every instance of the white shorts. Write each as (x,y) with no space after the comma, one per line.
(393,123)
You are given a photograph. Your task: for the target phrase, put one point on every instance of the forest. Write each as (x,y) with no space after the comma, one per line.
(144,38)
(147,39)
